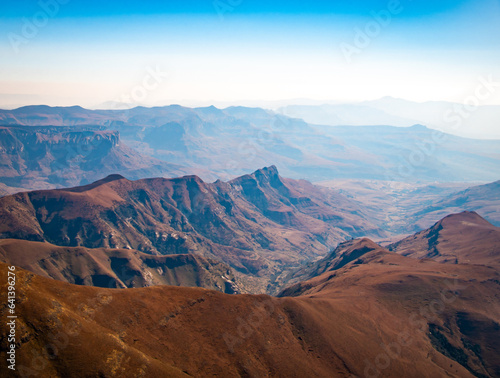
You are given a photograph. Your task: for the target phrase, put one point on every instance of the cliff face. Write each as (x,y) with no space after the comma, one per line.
(47,157)
(49,150)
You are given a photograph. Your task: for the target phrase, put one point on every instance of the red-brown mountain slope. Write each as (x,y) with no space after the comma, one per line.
(458,238)
(120,268)
(454,308)
(342,255)
(385,315)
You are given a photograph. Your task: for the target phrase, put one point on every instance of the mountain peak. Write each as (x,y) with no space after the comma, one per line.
(112,177)
(266,171)
(268,176)
(469,217)
(350,250)
(191,178)
(107,179)
(209,111)
(358,243)
(419,127)
(465,237)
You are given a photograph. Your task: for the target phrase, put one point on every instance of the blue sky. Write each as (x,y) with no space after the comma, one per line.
(93,8)
(90,52)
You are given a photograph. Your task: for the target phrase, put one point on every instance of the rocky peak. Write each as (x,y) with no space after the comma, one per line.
(268,172)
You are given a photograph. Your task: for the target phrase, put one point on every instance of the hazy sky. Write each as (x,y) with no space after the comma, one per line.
(65,52)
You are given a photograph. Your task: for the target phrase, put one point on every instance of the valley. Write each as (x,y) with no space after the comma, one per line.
(117,268)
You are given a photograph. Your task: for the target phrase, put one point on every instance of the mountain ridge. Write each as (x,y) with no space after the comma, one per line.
(257,224)
(465,237)
(345,253)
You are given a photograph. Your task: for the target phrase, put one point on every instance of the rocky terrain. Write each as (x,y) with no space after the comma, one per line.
(259,224)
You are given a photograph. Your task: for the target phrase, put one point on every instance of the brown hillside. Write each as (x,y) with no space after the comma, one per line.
(120,268)
(342,255)
(385,315)
(458,238)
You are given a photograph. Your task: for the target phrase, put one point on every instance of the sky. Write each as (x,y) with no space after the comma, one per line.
(95,53)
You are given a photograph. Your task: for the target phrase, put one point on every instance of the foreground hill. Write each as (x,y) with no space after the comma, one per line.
(458,238)
(116,268)
(258,223)
(48,157)
(380,315)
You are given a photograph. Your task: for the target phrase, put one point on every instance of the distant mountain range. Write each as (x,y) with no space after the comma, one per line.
(402,208)
(484,199)
(379,314)
(454,118)
(224,143)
